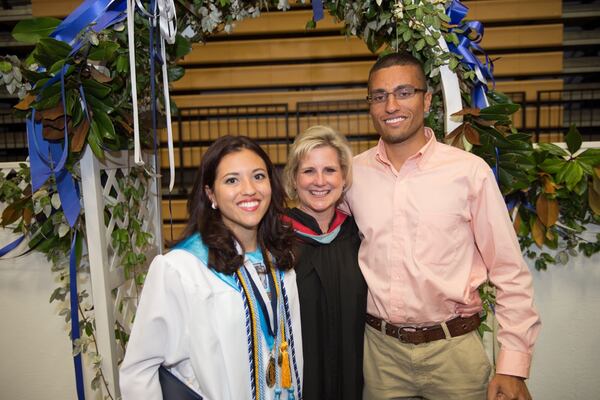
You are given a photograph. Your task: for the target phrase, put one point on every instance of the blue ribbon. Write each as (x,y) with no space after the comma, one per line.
(317,7)
(49,158)
(74,302)
(102,13)
(469,41)
(11,246)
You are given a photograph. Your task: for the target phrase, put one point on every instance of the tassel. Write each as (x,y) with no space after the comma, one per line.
(277,394)
(291,395)
(286,375)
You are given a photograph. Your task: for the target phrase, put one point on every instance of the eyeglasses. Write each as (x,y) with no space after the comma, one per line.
(400,93)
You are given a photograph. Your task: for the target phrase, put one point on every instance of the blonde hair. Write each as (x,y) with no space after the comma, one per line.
(312,138)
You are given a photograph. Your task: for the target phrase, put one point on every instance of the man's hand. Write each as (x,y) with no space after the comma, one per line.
(507,387)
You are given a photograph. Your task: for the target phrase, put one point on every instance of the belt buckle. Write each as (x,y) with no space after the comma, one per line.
(404,332)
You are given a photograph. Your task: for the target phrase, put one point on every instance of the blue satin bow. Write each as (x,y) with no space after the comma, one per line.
(48,158)
(469,41)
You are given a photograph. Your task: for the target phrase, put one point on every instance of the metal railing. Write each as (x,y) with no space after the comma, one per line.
(13,138)
(556,110)
(274,125)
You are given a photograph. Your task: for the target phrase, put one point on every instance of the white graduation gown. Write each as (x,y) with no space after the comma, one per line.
(193,322)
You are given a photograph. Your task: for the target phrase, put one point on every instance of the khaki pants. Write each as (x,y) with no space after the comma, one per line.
(449,369)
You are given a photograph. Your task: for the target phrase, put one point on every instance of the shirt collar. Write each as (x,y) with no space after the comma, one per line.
(420,157)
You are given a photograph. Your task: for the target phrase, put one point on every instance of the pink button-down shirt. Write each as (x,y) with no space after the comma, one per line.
(433,232)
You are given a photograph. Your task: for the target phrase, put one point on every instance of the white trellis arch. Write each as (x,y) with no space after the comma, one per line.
(114,297)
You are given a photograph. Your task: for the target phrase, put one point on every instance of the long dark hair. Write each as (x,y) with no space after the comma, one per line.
(273,235)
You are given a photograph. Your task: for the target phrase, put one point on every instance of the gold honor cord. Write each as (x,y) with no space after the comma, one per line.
(283,359)
(255,345)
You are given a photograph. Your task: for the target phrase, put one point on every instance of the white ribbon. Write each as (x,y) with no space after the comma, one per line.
(167,21)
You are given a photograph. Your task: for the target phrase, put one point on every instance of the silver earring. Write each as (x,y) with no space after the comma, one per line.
(214,206)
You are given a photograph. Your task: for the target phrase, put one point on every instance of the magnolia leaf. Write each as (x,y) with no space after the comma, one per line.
(184,47)
(99,76)
(31,30)
(52,113)
(467,111)
(573,139)
(548,184)
(96,89)
(79,136)
(553,165)
(175,73)
(24,104)
(95,141)
(596,183)
(458,131)
(104,51)
(51,133)
(593,200)
(471,134)
(105,126)
(538,232)
(553,149)
(547,210)
(570,175)
(590,157)
(517,223)
(49,51)
(501,109)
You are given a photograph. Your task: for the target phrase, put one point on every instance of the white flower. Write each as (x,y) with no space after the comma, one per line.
(398,10)
(283,5)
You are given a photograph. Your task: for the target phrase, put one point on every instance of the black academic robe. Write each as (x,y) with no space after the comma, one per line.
(333,298)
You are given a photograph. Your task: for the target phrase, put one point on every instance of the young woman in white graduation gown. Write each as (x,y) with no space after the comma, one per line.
(220,310)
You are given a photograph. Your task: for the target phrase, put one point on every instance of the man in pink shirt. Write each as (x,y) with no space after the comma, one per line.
(434,227)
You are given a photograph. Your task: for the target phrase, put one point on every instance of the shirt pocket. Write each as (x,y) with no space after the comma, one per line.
(437,239)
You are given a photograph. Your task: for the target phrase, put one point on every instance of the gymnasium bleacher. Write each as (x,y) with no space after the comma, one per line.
(271,78)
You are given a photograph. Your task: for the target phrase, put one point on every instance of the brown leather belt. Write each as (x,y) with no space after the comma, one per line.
(456,327)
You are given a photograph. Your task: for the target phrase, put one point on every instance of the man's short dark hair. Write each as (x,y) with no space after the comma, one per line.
(400,58)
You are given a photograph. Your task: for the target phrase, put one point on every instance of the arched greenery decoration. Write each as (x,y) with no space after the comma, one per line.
(553,192)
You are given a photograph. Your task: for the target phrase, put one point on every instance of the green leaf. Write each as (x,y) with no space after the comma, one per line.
(105,51)
(98,105)
(95,141)
(105,126)
(95,88)
(183,46)
(552,165)
(500,109)
(122,63)
(573,139)
(590,157)
(420,44)
(32,30)
(5,66)
(175,73)
(48,51)
(571,174)
(553,149)
(430,40)
(498,97)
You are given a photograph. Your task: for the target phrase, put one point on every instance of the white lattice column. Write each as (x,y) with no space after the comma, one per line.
(114,297)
